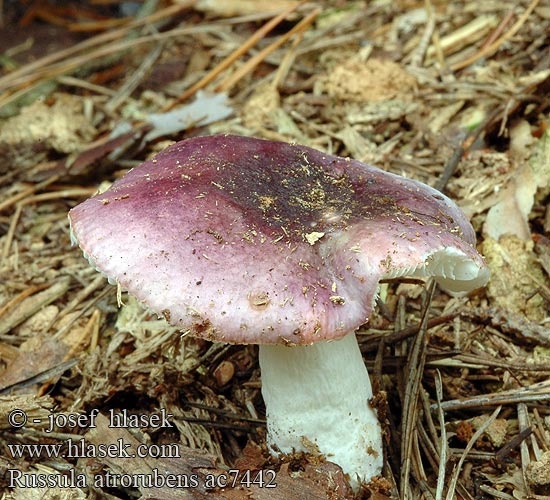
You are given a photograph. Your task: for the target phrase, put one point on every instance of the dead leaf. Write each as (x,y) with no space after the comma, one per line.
(205,109)
(511,214)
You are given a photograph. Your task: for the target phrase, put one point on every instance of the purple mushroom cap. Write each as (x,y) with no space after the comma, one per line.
(244,240)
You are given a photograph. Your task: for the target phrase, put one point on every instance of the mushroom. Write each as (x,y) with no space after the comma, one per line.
(243,240)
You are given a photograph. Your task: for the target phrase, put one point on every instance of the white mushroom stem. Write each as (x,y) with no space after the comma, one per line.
(317,400)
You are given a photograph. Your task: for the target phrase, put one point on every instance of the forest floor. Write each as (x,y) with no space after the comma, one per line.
(454,94)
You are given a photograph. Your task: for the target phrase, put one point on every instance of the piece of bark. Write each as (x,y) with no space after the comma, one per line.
(15,315)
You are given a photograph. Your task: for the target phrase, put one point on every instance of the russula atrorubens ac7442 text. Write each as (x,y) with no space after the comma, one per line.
(242,240)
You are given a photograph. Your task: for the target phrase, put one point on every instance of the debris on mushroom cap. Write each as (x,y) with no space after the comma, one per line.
(245,240)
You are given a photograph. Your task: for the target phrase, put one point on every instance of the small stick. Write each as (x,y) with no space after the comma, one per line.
(524,426)
(31,199)
(71,81)
(428,446)
(420,51)
(99,25)
(287,61)
(98,282)
(59,333)
(371,341)
(442,440)
(490,49)
(499,29)
(496,493)
(78,60)
(11,233)
(22,296)
(84,338)
(464,146)
(13,316)
(540,431)
(55,195)
(135,79)
(8,80)
(502,454)
(95,332)
(258,58)
(415,367)
(469,446)
(40,377)
(26,192)
(231,58)
(536,393)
